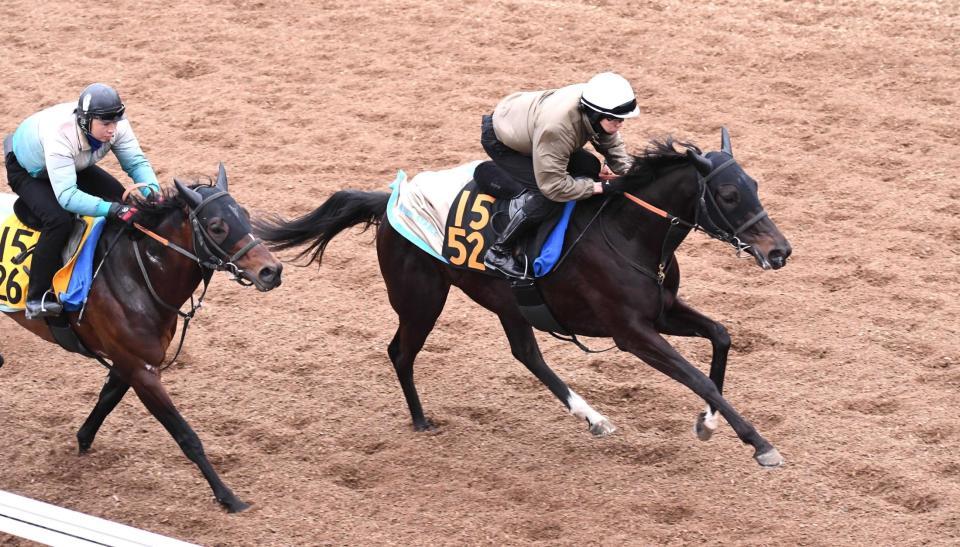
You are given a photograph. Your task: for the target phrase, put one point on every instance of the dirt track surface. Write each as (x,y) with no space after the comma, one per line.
(847,360)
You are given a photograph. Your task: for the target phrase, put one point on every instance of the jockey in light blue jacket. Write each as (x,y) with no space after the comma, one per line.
(50,161)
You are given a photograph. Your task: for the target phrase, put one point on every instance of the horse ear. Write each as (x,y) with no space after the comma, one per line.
(725,141)
(222,178)
(191,196)
(703,165)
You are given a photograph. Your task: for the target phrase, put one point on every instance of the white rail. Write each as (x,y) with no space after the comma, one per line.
(52,525)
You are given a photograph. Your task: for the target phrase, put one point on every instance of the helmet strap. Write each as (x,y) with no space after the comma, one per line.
(593,117)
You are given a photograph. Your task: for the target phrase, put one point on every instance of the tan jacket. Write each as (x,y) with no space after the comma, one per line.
(549,126)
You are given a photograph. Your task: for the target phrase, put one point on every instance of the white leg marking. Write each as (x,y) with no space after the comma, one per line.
(710,420)
(706,424)
(599,424)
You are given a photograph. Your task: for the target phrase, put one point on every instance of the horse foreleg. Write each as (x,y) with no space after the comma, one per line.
(148,387)
(648,345)
(113,391)
(524,346)
(682,320)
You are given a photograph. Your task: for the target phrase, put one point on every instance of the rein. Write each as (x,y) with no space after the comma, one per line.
(211,262)
(676,233)
(208,256)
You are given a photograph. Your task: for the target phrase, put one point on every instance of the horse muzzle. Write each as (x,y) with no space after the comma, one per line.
(269,277)
(774,259)
(778,257)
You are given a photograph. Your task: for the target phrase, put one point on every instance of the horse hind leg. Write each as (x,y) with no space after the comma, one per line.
(418,312)
(403,350)
(524,346)
(1,360)
(113,391)
(417,292)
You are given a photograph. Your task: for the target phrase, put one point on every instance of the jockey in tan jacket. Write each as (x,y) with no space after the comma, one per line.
(536,140)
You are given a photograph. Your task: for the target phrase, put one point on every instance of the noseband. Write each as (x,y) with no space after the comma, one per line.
(731,235)
(679,228)
(209,255)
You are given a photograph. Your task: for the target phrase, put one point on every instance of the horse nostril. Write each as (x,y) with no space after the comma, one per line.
(269,274)
(778,257)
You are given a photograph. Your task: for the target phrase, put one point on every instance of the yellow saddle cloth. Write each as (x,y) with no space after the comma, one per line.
(15,239)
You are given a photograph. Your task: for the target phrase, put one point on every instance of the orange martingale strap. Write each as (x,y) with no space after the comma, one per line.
(646,205)
(163,241)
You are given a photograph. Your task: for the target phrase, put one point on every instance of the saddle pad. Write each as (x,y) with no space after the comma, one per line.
(71,283)
(446,215)
(418,207)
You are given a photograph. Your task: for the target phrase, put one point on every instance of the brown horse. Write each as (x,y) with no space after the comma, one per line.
(132,309)
(619,278)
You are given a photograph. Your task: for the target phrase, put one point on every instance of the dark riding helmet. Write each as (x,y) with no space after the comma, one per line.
(98,101)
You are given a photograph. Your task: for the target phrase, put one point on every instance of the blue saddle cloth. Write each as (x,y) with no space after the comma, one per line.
(82,279)
(553,246)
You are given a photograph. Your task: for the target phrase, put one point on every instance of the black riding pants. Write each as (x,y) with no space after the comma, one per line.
(519,167)
(55,222)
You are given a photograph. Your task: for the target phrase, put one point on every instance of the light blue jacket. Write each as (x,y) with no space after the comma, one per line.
(51,142)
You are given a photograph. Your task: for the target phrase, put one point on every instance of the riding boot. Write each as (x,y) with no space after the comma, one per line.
(500,255)
(41,301)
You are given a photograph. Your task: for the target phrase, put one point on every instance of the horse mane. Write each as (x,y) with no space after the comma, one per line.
(152,212)
(658,155)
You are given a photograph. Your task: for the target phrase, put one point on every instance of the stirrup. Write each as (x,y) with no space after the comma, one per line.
(508,265)
(46,309)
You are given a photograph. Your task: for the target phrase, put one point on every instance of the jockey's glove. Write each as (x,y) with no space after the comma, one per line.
(613,186)
(124,213)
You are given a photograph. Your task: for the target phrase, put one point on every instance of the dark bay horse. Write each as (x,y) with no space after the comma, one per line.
(132,309)
(619,280)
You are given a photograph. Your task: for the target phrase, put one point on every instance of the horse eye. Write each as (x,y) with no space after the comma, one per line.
(729,194)
(217,226)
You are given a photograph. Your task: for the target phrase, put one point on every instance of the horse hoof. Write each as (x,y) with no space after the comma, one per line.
(602,428)
(236,506)
(771,458)
(426,425)
(1,360)
(704,427)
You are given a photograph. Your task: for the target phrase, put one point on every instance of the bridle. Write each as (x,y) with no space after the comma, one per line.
(731,234)
(703,221)
(208,256)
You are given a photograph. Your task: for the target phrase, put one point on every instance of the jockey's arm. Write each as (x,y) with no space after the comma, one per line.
(62,172)
(614,151)
(132,160)
(551,155)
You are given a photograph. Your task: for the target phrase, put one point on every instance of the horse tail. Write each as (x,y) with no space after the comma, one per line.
(344,209)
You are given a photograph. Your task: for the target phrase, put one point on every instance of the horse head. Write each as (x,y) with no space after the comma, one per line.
(223,238)
(731,210)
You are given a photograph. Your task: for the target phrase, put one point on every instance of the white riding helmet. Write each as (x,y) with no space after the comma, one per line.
(611,95)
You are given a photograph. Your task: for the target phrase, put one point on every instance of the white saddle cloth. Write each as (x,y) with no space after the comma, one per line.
(419,207)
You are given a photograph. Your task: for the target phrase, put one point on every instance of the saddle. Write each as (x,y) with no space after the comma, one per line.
(19,234)
(32,221)
(476,221)
(448,216)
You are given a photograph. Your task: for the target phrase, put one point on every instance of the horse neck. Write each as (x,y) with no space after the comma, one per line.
(674,191)
(173,276)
